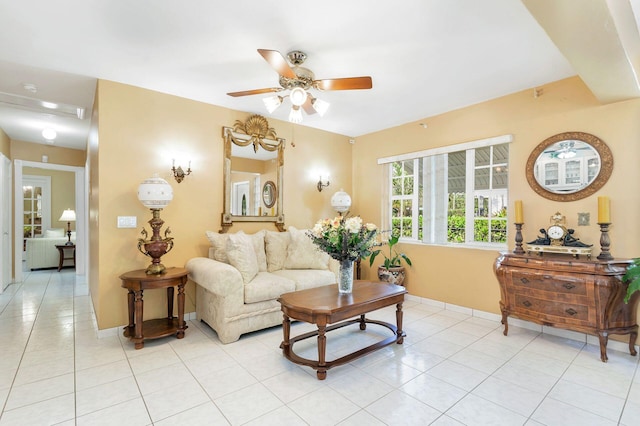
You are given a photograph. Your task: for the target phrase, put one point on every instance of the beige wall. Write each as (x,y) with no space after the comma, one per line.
(5,144)
(139,134)
(63,193)
(28,151)
(464,276)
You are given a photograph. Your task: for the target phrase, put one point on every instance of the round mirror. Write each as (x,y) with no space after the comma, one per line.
(569,166)
(269,194)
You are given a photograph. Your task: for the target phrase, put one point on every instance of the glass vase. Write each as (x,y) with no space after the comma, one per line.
(345,284)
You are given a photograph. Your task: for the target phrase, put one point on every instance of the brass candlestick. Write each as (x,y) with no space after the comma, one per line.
(605,242)
(518,249)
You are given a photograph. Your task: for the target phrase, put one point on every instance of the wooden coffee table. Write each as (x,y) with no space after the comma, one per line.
(325,305)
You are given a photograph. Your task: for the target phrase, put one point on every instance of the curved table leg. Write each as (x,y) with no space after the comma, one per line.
(633,335)
(604,339)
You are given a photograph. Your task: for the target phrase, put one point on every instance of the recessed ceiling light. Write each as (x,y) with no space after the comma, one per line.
(49,134)
(50,105)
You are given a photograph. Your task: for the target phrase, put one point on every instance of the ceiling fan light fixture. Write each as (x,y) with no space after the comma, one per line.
(295,115)
(320,106)
(298,96)
(272,103)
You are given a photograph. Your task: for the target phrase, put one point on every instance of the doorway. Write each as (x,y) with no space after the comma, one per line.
(80,207)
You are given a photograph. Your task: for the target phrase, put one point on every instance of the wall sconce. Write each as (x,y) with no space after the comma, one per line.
(180,174)
(322,184)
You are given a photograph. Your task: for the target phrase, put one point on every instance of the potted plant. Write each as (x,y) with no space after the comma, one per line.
(391,270)
(632,276)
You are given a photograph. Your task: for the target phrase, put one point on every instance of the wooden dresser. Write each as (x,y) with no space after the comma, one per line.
(562,291)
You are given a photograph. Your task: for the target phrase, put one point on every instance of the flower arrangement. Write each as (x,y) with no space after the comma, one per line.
(344,238)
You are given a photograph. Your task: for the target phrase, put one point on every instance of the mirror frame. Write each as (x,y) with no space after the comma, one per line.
(255,131)
(270,188)
(606,166)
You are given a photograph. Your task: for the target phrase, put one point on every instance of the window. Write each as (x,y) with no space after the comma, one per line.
(452,195)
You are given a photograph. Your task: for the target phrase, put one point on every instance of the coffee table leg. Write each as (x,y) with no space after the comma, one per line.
(286,330)
(322,349)
(363,324)
(399,323)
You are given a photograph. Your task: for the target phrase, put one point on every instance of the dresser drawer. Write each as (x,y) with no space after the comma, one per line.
(556,283)
(553,311)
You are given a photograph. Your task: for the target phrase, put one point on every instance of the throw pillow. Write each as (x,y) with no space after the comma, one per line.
(303,254)
(276,244)
(53,233)
(219,244)
(242,256)
(258,245)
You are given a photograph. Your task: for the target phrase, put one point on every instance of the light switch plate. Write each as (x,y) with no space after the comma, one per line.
(127,222)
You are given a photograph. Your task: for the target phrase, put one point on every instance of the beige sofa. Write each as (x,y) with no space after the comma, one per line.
(237,286)
(41,252)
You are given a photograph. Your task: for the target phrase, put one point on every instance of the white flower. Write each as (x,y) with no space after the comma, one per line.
(317,230)
(371,227)
(353,224)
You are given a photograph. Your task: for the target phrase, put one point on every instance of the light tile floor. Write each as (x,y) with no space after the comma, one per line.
(453,369)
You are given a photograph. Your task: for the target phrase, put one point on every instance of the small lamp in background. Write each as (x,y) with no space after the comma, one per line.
(155,193)
(341,201)
(68,216)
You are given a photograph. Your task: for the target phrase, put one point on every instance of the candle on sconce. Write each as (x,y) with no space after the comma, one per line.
(604,210)
(518,212)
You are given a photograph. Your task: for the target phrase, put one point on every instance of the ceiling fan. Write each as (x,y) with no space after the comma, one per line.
(299,80)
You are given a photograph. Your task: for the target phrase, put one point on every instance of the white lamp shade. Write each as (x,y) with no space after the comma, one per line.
(155,193)
(341,201)
(68,216)
(298,96)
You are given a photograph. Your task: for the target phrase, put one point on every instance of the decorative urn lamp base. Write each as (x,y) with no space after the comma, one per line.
(155,193)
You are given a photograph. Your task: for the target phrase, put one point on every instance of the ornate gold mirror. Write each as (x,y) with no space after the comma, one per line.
(253,166)
(569,166)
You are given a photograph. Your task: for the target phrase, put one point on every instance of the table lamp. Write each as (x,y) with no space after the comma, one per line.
(68,216)
(341,201)
(155,193)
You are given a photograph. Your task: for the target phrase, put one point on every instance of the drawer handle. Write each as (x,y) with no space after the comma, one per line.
(524,281)
(571,311)
(568,286)
(527,303)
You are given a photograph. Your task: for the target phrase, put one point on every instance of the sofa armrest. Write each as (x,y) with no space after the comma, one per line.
(219,278)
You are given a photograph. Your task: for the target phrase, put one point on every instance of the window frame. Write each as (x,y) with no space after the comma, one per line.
(419,157)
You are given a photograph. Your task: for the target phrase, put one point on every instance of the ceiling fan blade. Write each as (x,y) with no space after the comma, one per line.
(351,83)
(255,92)
(277,62)
(308,107)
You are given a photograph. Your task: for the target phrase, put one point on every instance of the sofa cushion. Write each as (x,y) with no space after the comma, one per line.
(53,233)
(266,286)
(307,278)
(302,253)
(242,256)
(219,245)
(276,244)
(258,246)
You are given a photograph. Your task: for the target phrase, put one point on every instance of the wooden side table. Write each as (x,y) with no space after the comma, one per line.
(138,281)
(61,248)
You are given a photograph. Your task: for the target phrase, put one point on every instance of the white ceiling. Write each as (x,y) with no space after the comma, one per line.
(425,57)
